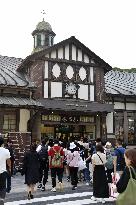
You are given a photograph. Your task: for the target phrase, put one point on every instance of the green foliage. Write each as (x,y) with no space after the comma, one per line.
(131,70)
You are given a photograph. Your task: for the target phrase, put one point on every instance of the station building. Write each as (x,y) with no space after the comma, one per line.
(63,90)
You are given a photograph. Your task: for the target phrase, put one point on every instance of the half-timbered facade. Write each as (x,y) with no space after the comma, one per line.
(70,85)
(60,90)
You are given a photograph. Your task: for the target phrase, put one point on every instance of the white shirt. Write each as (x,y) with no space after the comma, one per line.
(38,149)
(96,158)
(4,155)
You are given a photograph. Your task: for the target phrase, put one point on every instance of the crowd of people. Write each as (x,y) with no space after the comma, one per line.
(97,163)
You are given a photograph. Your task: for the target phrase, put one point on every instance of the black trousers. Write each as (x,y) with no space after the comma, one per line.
(59,173)
(3,177)
(43,171)
(73,174)
(8,181)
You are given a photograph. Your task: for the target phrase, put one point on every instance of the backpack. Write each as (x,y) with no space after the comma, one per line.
(109,163)
(56,160)
(43,153)
(121,163)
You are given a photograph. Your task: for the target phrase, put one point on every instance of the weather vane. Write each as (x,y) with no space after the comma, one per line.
(43,14)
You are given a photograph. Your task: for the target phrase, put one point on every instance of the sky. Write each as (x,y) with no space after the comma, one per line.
(106,27)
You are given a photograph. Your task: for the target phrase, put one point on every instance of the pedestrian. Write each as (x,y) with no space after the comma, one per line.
(73,158)
(119,156)
(130,160)
(110,165)
(4,158)
(98,141)
(56,158)
(31,170)
(66,167)
(100,183)
(44,164)
(9,146)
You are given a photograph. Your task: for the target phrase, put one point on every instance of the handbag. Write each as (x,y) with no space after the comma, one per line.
(115,179)
(81,164)
(128,197)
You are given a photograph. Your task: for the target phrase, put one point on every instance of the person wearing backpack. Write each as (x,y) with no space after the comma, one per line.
(110,165)
(119,156)
(56,158)
(42,151)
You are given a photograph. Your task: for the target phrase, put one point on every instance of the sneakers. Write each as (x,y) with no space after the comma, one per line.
(74,187)
(53,189)
(43,188)
(1,201)
(93,198)
(60,186)
(39,186)
(103,201)
(87,183)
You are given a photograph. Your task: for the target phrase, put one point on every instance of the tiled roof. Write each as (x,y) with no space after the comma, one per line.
(16,101)
(9,76)
(43,26)
(117,82)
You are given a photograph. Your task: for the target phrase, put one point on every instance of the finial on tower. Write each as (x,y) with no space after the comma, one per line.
(43,14)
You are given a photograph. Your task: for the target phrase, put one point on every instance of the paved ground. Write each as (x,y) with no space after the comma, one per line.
(82,195)
(19,186)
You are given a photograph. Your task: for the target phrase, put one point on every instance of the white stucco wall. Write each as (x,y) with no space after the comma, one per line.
(86,58)
(60,53)
(91,74)
(79,55)
(67,52)
(45,89)
(46,70)
(91,92)
(24,117)
(47,55)
(130,106)
(53,54)
(73,52)
(109,122)
(119,105)
(56,89)
(56,70)
(83,92)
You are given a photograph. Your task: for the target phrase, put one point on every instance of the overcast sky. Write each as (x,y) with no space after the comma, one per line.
(107,27)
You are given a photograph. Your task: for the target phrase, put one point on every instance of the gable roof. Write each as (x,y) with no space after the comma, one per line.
(72,40)
(9,76)
(123,83)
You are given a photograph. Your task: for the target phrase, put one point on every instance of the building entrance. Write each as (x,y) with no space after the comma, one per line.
(65,131)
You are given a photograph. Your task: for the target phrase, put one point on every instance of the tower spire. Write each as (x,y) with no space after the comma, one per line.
(43,14)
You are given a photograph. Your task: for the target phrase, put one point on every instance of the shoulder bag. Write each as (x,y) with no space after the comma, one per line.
(128,197)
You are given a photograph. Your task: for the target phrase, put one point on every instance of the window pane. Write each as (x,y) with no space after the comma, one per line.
(9,122)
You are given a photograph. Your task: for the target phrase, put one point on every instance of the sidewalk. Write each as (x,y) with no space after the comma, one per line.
(19,186)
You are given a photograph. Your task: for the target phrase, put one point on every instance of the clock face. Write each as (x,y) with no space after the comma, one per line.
(71,89)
